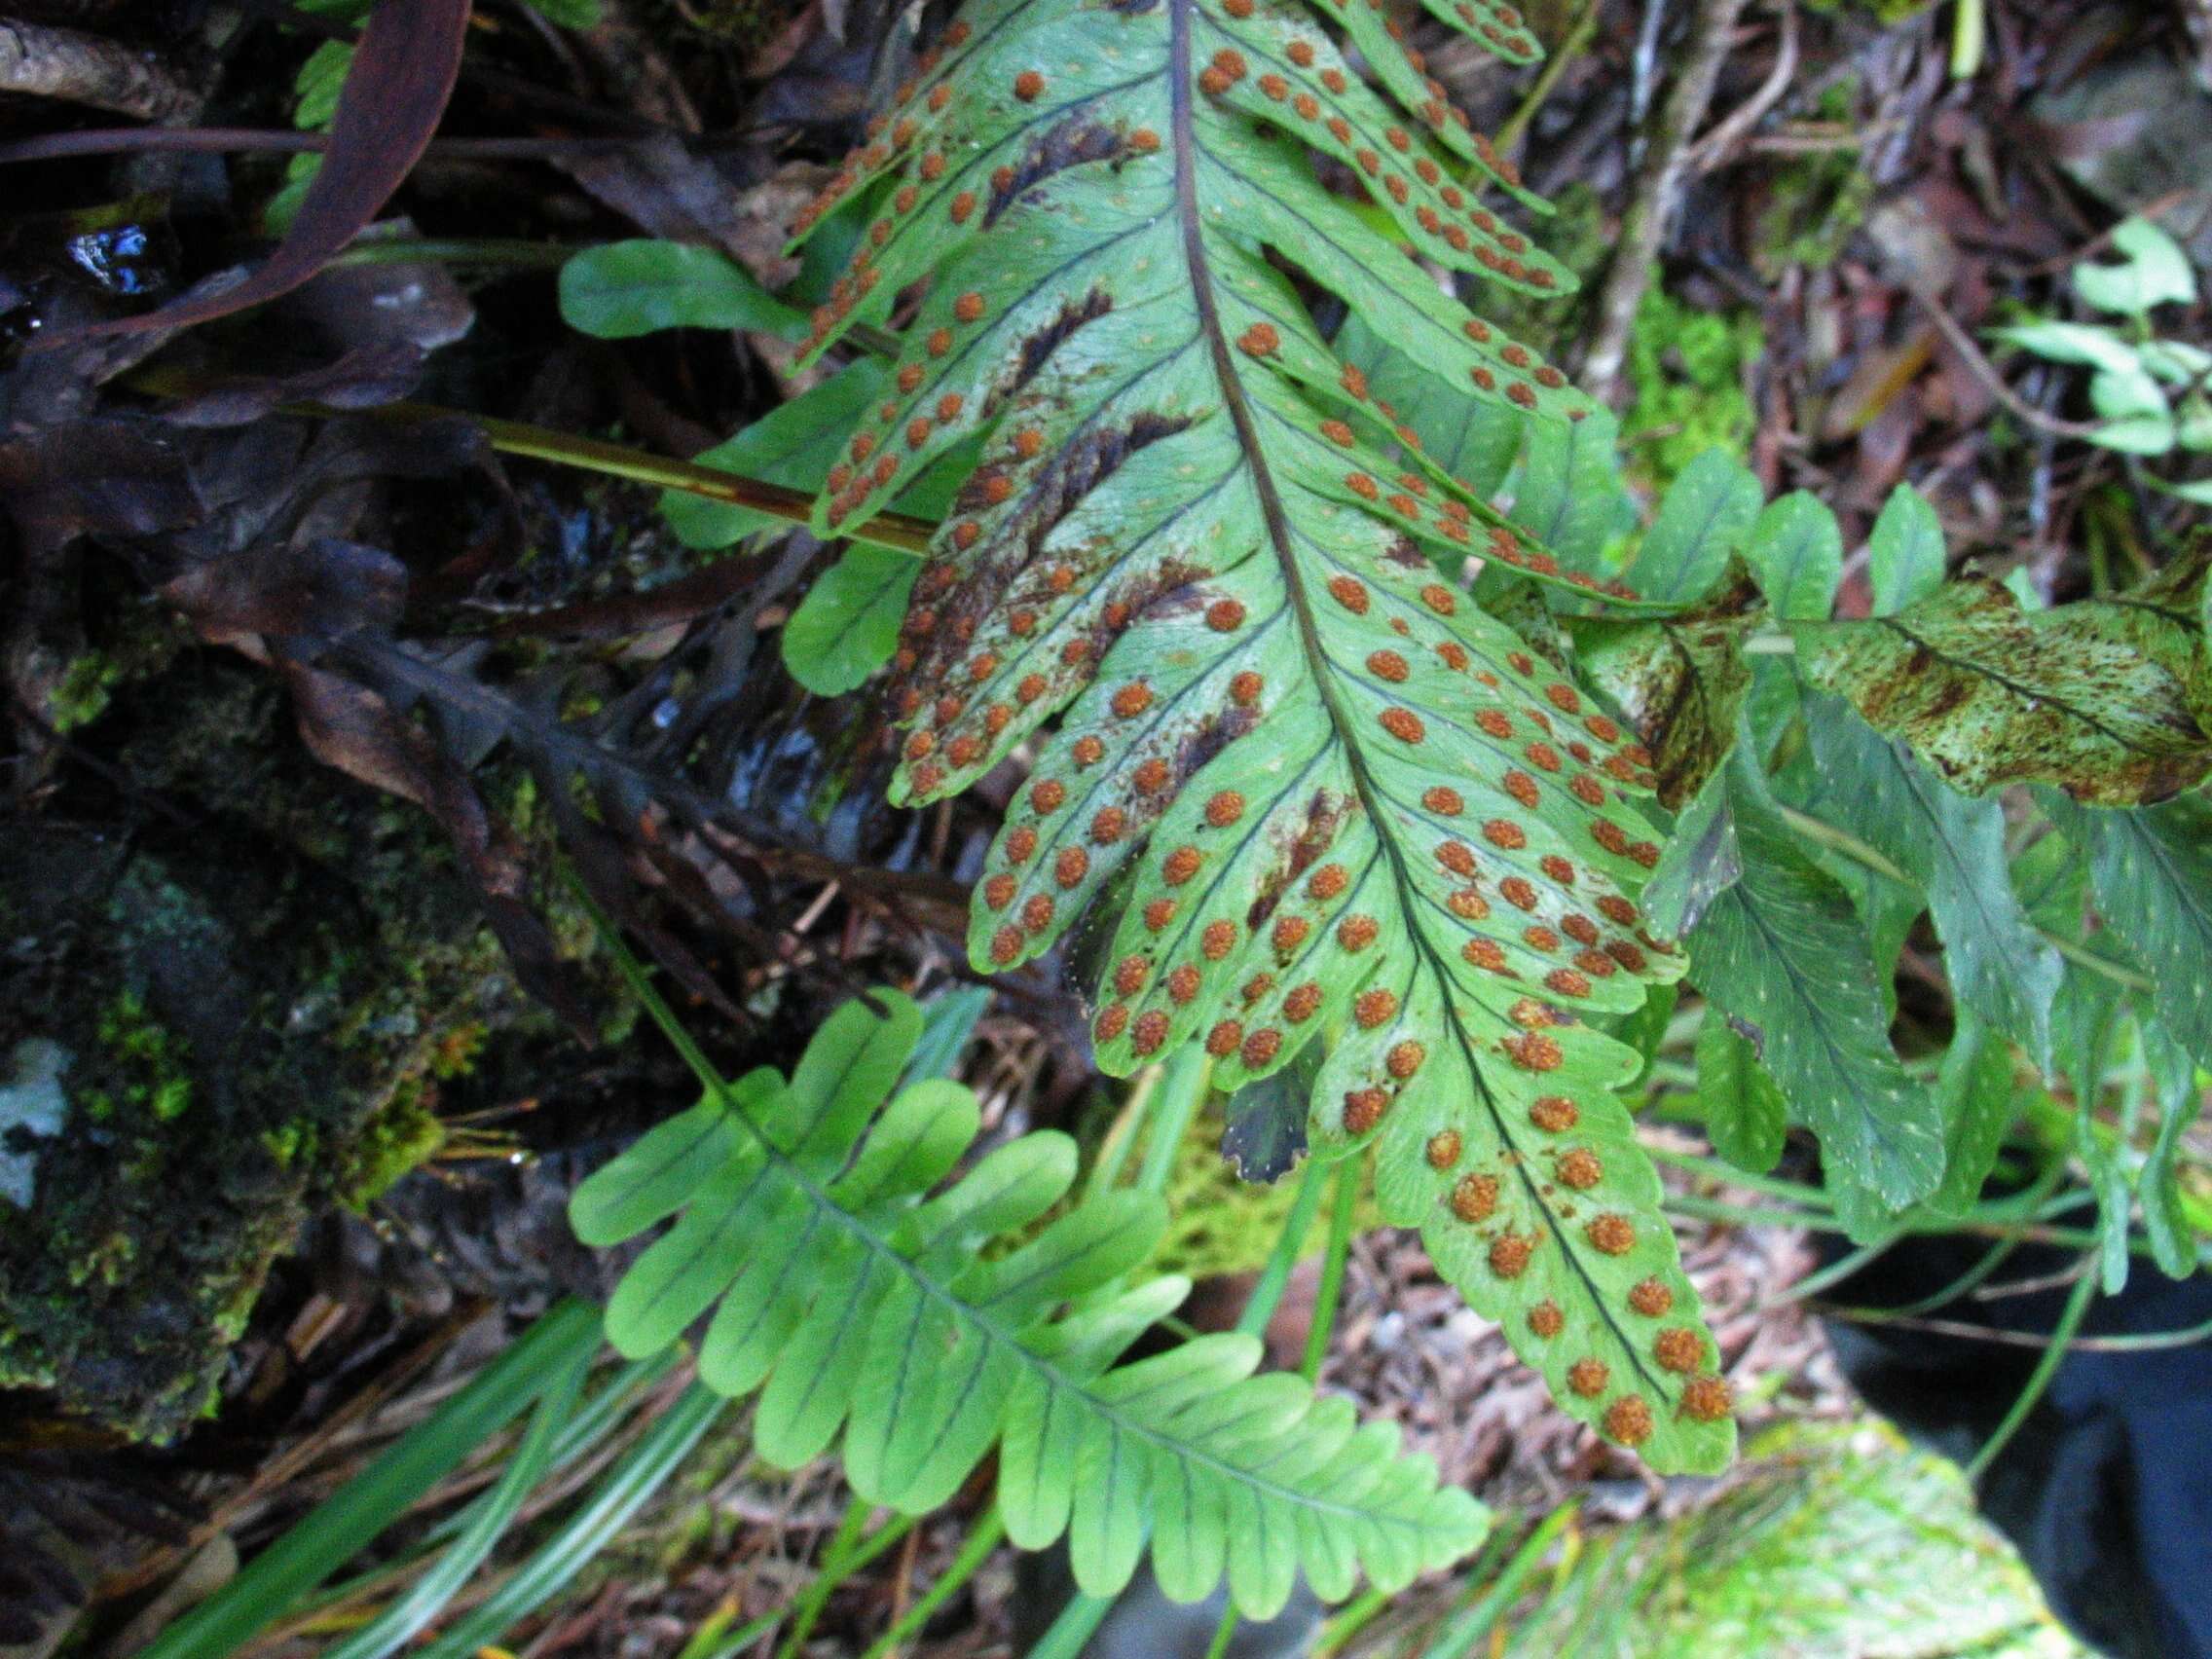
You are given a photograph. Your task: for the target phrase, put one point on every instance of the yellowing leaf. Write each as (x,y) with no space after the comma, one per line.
(1987,694)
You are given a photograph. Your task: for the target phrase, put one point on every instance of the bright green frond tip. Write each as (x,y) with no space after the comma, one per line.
(853,1290)
(1338,801)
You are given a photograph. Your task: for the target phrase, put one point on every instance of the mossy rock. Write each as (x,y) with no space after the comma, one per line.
(1838,1540)
(220,1013)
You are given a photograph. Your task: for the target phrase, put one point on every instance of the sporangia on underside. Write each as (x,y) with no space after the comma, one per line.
(1210,577)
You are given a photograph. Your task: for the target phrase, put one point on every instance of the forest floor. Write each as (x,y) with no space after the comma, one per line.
(295,889)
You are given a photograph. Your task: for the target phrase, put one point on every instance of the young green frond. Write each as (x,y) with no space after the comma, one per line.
(1344,803)
(860,1298)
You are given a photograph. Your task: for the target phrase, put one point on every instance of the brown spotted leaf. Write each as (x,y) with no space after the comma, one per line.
(1341,805)
(1680,680)
(2107,699)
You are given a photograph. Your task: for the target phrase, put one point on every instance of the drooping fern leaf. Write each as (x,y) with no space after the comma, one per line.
(1338,801)
(862,1305)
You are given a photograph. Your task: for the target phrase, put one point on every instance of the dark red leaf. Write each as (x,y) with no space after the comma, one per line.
(96,476)
(394,95)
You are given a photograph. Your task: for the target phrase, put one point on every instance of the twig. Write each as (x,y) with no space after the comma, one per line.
(131,140)
(2142,1342)
(74,67)
(1985,371)
(2062,1338)
(1658,187)
(1719,146)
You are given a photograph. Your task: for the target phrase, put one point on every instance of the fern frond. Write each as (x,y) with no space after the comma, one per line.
(864,1306)
(1342,803)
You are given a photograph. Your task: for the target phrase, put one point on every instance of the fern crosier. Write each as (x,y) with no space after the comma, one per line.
(1339,802)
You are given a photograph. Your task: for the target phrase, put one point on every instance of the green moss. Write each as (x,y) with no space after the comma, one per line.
(265,1009)
(81,696)
(150,1066)
(1222,1225)
(455,1053)
(403,1136)
(1686,370)
(294,1142)
(107,1261)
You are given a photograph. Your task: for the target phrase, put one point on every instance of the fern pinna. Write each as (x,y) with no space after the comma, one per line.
(872,1311)
(1338,801)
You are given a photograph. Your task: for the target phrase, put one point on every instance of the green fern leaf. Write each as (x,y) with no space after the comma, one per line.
(863,1305)
(1784,954)
(1954,848)
(1336,800)
(1796,548)
(2152,873)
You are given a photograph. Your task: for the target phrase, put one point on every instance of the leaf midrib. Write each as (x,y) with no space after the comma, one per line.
(1180,81)
(2025,693)
(877,1245)
(1873,1119)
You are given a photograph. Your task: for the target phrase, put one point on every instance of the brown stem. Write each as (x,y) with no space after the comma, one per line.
(1972,355)
(902,533)
(1658,188)
(237,140)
